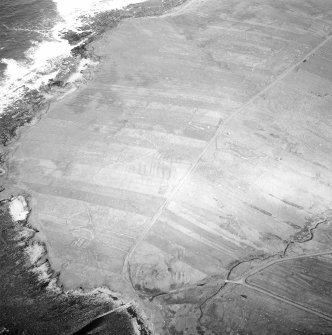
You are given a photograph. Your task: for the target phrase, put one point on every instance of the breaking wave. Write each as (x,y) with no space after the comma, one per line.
(43,60)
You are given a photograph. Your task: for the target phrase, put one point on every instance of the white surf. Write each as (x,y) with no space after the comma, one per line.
(44,58)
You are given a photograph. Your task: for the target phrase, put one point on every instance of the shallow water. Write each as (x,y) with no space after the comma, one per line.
(32,44)
(24,22)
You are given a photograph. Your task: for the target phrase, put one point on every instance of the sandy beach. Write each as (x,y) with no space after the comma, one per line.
(192,173)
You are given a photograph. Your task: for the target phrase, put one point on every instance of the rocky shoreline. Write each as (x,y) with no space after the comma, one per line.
(29,304)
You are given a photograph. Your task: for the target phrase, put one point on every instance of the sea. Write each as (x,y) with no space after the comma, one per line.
(33,43)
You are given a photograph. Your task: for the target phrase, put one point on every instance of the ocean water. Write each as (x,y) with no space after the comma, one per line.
(32,43)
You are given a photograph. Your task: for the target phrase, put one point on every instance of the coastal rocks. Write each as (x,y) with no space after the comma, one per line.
(22,112)
(74,37)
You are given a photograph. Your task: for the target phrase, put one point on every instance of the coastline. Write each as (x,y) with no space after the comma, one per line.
(47,295)
(172,177)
